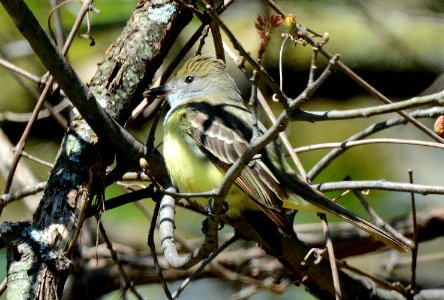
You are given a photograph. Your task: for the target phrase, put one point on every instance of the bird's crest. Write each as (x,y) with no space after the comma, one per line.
(201,65)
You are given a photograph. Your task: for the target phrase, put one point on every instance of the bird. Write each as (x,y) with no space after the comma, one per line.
(208,127)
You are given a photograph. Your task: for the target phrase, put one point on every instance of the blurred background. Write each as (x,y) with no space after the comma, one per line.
(396,46)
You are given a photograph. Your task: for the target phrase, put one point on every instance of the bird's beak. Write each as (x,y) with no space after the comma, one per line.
(157,91)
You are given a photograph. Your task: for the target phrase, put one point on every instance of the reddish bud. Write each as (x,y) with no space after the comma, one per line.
(439,126)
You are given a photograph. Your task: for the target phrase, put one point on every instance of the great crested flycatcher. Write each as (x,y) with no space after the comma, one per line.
(208,128)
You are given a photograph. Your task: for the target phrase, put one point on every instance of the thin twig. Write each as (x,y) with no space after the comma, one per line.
(350,144)
(7,116)
(128,284)
(425,258)
(49,109)
(155,121)
(312,116)
(36,159)
(412,288)
(397,287)
(58,23)
(152,246)
(377,219)
(379,185)
(241,278)
(331,255)
(25,135)
(314,86)
(112,203)
(202,38)
(149,215)
(166,232)
(202,266)
(281,53)
(190,7)
(6,199)
(217,37)
(14,68)
(313,66)
(252,103)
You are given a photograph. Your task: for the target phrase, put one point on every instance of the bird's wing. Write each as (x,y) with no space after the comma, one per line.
(222,139)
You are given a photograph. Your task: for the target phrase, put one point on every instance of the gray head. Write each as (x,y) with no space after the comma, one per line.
(201,76)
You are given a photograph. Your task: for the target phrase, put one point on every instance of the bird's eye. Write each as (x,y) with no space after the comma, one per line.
(189,79)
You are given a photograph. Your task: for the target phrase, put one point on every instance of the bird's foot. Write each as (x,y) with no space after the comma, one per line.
(205,226)
(209,211)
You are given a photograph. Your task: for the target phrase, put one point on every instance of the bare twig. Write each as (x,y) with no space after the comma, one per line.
(14,68)
(313,87)
(380,185)
(412,287)
(202,38)
(6,199)
(331,256)
(382,282)
(24,177)
(350,144)
(149,215)
(312,116)
(112,203)
(202,266)
(281,52)
(14,117)
(58,23)
(252,103)
(313,66)
(21,143)
(217,37)
(152,246)
(35,159)
(128,284)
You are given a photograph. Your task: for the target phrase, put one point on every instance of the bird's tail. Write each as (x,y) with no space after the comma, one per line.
(305,198)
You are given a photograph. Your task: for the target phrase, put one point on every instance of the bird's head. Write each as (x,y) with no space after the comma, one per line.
(201,76)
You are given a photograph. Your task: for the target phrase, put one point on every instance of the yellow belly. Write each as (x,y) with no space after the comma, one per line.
(192,172)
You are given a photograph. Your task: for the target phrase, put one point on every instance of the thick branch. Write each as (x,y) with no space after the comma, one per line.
(79,171)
